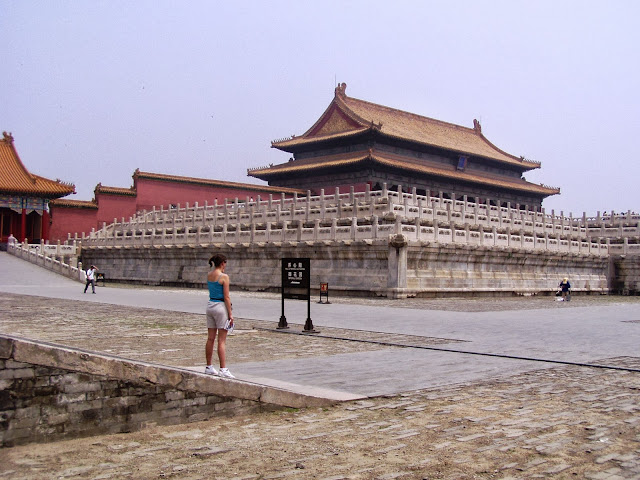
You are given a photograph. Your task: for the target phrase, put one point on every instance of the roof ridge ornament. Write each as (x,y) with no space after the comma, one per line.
(476,126)
(340,90)
(7,137)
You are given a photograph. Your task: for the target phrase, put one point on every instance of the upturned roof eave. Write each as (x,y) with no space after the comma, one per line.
(38,186)
(298,144)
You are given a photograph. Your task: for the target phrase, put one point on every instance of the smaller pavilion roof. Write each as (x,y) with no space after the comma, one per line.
(15,179)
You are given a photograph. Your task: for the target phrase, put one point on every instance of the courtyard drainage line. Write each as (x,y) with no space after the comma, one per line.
(451,350)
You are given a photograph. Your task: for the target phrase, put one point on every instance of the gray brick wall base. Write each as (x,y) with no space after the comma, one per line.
(50,392)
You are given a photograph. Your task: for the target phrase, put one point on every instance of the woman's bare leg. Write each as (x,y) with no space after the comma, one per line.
(211,338)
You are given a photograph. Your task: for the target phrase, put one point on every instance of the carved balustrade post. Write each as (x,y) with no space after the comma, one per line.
(374,227)
(398,225)
(334,227)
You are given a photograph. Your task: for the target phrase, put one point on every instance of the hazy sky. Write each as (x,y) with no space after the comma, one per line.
(92,90)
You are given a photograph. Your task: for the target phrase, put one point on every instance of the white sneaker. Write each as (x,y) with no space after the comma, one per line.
(210,370)
(224,372)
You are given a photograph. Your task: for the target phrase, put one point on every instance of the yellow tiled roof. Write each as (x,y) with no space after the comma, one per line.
(310,166)
(347,116)
(16,179)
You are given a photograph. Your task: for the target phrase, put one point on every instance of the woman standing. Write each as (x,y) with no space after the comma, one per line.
(218,311)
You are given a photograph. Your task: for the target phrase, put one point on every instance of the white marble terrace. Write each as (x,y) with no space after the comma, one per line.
(368,216)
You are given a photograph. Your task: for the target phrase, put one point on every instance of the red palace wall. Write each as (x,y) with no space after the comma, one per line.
(116,206)
(80,217)
(65,220)
(153,192)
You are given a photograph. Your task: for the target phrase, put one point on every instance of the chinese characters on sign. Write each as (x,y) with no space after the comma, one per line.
(295,272)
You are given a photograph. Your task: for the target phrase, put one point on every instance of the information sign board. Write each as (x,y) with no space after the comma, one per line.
(296,284)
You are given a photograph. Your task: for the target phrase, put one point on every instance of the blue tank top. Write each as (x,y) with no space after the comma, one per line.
(216,293)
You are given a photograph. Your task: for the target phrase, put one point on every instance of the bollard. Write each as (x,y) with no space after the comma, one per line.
(324,291)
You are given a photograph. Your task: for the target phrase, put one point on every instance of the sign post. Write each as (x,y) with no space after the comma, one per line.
(296,284)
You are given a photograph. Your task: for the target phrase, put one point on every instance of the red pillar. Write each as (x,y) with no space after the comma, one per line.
(23,225)
(45,226)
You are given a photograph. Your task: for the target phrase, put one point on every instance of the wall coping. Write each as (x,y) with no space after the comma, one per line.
(59,356)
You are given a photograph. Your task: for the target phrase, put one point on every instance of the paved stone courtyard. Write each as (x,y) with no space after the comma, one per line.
(561,422)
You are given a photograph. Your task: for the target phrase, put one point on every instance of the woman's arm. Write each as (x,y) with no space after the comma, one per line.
(227,299)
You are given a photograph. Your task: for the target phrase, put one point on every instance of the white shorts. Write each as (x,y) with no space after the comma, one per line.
(216,315)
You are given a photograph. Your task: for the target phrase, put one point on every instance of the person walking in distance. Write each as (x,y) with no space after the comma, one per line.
(219,316)
(565,289)
(91,278)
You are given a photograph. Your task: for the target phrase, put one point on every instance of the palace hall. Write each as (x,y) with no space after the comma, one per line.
(355,142)
(24,197)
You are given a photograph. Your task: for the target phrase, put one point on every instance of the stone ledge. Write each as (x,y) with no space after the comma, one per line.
(59,356)
(87,393)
